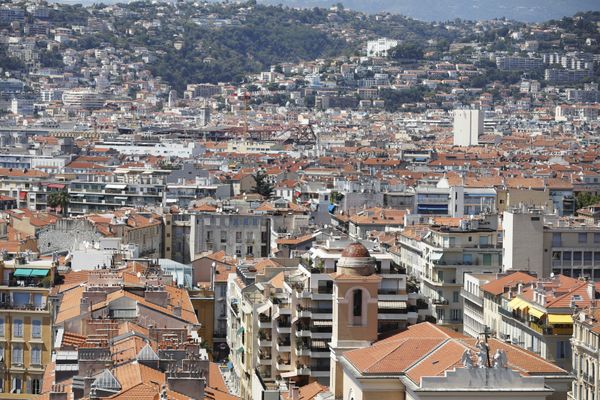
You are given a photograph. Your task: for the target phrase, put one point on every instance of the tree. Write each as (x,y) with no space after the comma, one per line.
(407,51)
(585,199)
(59,199)
(263,187)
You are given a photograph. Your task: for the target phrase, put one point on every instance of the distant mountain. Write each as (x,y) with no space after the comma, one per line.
(443,10)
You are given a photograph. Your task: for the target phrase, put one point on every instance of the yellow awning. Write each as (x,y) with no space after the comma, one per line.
(560,319)
(536,313)
(517,303)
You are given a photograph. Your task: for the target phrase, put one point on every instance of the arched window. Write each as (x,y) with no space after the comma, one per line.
(357,303)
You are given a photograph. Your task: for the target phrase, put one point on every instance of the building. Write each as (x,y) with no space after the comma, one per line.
(586,354)
(468,126)
(440,255)
(543,244)
(511,63)
(25,327)
(429,362)
(82,99)
(536,314)
(380,47)
(289,339)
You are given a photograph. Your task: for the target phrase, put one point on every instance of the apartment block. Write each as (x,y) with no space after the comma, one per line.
(439,256)
(25,328)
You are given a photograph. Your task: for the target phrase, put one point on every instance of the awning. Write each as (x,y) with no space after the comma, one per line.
(240,349)
(240,330)
(119,186)
(331,208)
(319,344)
(121,197)
(391,304)
(22,195)
(229,365)
(536,313)
(318,322)
(56,185)
(560,319)
(23,272)
(517,303)
(436,256)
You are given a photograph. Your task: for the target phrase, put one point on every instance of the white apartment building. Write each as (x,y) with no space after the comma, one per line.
(543,244)
(467,127)
(380,47)
(440,256)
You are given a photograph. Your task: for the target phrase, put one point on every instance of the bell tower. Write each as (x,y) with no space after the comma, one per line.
(354,307)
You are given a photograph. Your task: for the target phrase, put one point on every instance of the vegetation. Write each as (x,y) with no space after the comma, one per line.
(394,99)
(263,187)
(59,199)
(585,199)
(407,51)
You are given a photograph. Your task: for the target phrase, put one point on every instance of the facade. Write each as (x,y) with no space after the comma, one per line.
(440,256)
(537,316)
(544,244)
(428,362)
(25,329)
(296,318)
(586,357)
(468,126)
(238,234)
(380,47)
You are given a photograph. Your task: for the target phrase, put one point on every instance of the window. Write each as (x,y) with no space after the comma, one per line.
(596,237)
(487,259)
(582,237)
(18,328)
(455,297)
(556,239)
(36,328)
(456,315)
(357,303)
(35,386)
(1,326)
(36,355)
(16,385)
(17,354)
(249,250)
(238,237)
(483,240)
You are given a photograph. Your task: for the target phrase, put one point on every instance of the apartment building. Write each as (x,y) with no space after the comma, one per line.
(537,316)
(125,187)
(472,297)
(585,348)
(25,328)
(544,244)
(294,305)
(440,255)
(242,234)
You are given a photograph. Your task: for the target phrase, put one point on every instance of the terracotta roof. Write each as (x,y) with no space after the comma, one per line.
(497,286)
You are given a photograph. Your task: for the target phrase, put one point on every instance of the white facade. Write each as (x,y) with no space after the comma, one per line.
(164,148)
(380,47)
(468,126)
(523,242)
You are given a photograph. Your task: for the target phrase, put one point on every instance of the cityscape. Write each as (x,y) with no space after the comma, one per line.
(243,200)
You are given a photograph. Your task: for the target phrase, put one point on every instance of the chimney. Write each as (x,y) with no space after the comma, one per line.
(591,291)
(520,288)
(294,392)
(84,305)
(157,295)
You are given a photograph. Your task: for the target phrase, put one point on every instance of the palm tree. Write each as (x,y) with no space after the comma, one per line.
(59,199)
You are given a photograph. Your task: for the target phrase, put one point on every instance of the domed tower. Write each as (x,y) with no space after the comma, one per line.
(356,260)
(355,316)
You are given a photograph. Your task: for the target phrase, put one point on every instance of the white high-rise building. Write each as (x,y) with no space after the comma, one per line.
(468,125)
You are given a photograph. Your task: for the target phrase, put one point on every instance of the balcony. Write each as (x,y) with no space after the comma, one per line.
(303,351)
(284,347)
(440,302)
(284,330)
(471,297)
(264,342)
(283,365)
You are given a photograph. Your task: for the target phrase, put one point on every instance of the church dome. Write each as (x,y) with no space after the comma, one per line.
(356,260)
(356,250)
